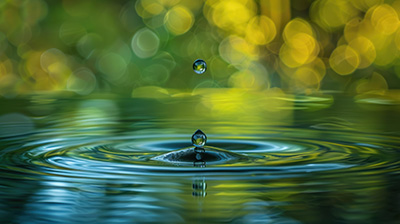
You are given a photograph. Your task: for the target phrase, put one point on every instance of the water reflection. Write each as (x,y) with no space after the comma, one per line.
(199,187)
(93,161)
(199,183)
(14,124)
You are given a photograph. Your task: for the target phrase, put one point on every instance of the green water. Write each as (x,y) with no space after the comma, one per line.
(324,159)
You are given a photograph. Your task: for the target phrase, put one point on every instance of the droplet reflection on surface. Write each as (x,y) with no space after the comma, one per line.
(199,139)
(199,66)
(198,156)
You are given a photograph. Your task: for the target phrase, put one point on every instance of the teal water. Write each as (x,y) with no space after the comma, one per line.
(105,160)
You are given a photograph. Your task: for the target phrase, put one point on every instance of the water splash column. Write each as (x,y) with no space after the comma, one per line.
(199,140)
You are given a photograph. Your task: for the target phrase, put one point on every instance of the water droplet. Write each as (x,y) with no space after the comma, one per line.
(199,66)
(199,139)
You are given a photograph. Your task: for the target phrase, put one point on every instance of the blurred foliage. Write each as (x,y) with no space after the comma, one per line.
(148,46)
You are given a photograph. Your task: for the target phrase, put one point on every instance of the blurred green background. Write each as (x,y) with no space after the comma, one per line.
(146,48)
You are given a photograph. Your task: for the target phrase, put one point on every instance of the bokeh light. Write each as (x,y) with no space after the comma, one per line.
(82,81)
(145,43)
(344,60)
(296,46)
(178,20)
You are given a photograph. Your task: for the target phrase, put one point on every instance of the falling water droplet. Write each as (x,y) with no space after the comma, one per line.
(199,66)
(199,139)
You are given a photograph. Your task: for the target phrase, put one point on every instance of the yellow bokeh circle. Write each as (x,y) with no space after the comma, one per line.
(260,30)
(307,76)
(237,51)
(178,20)
(296,26)
(149,8)
(365,49)
(364,5)
(344,60)
(336,13)
(300,49)
(385,19)
(352,29)
(232,15)
(375,83)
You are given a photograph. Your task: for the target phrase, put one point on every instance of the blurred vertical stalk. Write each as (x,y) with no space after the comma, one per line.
(278,11)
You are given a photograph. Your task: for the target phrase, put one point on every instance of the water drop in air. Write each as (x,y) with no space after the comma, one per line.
(199,139)
(199,66)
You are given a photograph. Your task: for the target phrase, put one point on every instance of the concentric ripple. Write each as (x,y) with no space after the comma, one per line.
(133,161)
(273,154)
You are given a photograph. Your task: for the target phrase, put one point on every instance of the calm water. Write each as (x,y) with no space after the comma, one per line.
(326,159)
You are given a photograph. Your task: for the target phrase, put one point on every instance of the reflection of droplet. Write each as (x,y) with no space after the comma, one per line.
(199,187)
(199,66)
(199,138)
(198,156)
(199,184)
(199,163)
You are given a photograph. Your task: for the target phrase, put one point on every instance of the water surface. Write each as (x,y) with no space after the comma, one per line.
(293,160)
